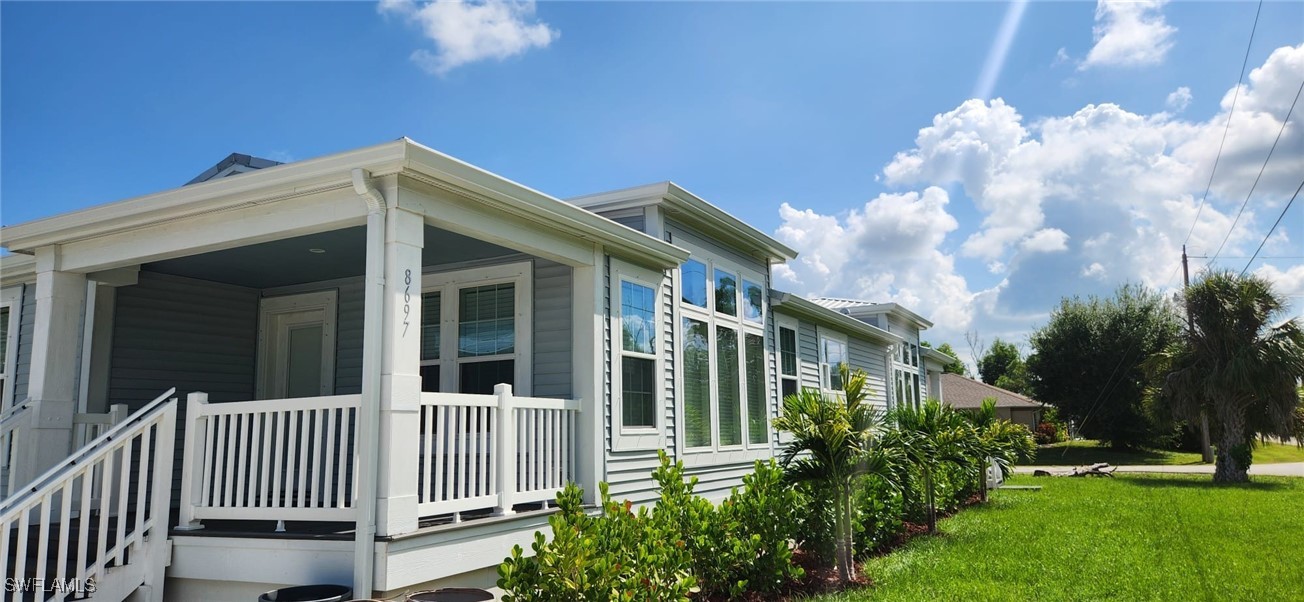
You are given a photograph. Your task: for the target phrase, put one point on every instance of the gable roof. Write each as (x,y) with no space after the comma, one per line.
(962,392)
(678,202)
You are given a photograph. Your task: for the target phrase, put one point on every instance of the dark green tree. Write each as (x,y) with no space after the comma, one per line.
(1000,358)
(1087,361)
(955,367)
(1241,364)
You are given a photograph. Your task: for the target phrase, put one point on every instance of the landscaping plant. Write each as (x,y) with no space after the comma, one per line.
(932,438)
(833,445)
(1240,363)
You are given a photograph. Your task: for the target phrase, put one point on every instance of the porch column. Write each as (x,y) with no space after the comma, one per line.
(400,374)
(588,317)
(56,343)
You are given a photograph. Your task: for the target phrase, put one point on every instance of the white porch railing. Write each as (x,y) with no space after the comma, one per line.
(100,515)
(279,459)
(468,464)
(13,423)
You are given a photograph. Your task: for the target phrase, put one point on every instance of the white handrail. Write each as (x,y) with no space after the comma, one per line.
(11,436)
(103,508)
(91,448)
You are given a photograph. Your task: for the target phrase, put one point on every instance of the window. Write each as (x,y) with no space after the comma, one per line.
(788,360)
(638,361)
(693,283)
(758,428)
(4,349)
(753,301)
(726,293)
(697,383)
(835,354)
(486,310)
(722,373)
(727,398)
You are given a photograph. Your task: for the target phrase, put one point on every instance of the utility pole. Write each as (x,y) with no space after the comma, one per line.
(1206,452)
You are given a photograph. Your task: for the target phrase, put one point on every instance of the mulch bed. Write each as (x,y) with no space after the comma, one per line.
(821,579)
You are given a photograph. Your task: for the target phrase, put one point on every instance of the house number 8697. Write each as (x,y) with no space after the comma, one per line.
(407,300)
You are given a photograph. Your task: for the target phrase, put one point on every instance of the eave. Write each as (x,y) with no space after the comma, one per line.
(801,307)
(894,309)
(675,201)
(332,172)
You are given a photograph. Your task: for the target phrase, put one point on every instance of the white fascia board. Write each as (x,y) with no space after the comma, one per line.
(537,205)
(700,212)
(800,307)
(891,308)
(264,185)
(335,171)
(935,357)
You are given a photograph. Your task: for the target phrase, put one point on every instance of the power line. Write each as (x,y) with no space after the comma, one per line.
(1256,178)
(1236,95)
(1274,227)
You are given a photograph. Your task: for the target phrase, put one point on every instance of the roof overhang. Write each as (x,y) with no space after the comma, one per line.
(17,269)
(895,309)
(800,307)
(935,357)
(679,203)
(400,157)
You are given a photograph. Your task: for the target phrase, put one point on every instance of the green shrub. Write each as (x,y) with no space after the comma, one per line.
(765,510)
(618,555)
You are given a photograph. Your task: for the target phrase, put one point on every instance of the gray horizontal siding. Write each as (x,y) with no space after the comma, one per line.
(808,355)
(681,233)
(190,334)
(552,330)
(26,329)
(349,318)
(870,357)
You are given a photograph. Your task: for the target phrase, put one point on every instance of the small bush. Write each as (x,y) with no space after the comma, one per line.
(617,555)
(1046,433)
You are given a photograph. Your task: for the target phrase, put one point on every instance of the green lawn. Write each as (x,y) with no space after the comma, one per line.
(1133,537)
(1076,453)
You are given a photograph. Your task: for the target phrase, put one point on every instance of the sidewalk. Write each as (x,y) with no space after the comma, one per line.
(1287,469)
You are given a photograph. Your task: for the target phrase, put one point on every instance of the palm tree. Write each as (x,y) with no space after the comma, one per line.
(832,444)
(1240,361)
(1001,441)
(929,437)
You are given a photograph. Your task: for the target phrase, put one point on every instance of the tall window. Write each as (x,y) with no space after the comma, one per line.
(637,355)
(474,330)
(723,356)
(788,377)
(697,383)
(4,348)
(835,354)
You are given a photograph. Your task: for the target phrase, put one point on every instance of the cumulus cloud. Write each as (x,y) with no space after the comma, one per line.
(1046,240)
(1129,33)
(1178,99)
(1068,204)
(465,32)
(1288,282)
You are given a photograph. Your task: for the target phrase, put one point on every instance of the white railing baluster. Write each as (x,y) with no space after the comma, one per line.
(20,554)
(264,457)
(279,471)
(124,488)
(65,521)
(142,481)
(328,461)
(43,534)
(441,452)
(105,496)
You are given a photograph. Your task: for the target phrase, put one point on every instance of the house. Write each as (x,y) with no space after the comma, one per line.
(964,393)
(914,369)
(378,367)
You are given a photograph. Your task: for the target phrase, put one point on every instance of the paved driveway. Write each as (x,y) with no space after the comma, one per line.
(1285,469)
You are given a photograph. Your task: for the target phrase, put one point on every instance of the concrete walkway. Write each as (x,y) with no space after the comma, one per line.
(1285,469)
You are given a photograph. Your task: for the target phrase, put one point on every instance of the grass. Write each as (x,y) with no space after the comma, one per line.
(1076,453)
(1134,537)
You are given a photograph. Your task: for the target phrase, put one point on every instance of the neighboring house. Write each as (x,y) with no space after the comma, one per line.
(387,362)
(964,393)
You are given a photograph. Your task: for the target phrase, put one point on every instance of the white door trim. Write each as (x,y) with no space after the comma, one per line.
(269,310)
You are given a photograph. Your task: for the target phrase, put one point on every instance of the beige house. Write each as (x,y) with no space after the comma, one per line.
(964,393)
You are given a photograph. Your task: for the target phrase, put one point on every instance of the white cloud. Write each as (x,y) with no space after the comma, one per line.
(1129,34)
(465,32)
(1178,99)
(1046,240)
(1061,57)
(1071,204)
(1288,283)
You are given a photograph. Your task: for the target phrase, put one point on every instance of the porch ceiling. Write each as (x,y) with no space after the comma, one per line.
(291,261)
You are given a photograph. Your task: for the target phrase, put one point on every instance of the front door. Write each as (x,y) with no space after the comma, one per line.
(296,346)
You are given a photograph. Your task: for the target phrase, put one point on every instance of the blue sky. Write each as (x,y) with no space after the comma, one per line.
(751,105)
